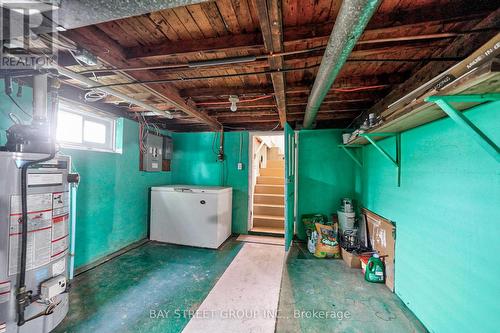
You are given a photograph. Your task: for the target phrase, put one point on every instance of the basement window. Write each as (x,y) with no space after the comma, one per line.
(81,127)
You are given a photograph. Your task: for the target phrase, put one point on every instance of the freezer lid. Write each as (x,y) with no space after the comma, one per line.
(191,189)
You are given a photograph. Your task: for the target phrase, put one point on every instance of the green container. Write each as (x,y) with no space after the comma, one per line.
(375,271)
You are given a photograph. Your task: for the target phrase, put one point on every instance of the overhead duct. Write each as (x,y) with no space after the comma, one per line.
(349,26)
(91,84)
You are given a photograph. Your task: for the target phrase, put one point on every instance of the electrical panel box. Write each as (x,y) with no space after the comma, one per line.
(168,147)
(153,155)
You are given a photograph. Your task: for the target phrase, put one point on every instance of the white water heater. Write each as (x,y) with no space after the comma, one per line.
(46,274)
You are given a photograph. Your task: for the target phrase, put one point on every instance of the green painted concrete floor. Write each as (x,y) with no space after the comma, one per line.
(127,293)
(324,295)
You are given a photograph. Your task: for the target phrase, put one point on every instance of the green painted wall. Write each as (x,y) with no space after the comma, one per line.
(7,106)
(194,163)
(113,196)
(325,173)
(447,215)
(290,195)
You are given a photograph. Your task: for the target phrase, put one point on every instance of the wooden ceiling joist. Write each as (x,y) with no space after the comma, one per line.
(269,13)
(194,54)
(112,53)
(461,46)
(293,36)
(352,82)
(292,117)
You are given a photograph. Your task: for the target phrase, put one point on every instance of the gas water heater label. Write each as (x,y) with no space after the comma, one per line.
(60,203)
(59,247)
(38,250)
(45,179)
(59,227)
(48,220)
(4,291)
(36,202)
(39,231)
(59,267)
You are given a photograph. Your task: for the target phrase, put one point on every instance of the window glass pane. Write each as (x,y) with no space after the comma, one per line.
(69,127)
(94,132)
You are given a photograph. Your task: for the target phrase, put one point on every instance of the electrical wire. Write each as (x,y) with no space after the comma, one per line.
(241,147)
(195,78)
(145,128)
(236,128)
(94,95)
(275,127)
(14,118)
(19,106)
(359,88)
(187,65)
(214,139)
(354,120)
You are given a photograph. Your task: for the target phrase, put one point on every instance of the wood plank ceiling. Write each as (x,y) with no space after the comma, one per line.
(283,41)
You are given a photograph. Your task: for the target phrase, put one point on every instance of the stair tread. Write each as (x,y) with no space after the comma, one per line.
(270,230)
(269,217)
(269,205)
(270,194)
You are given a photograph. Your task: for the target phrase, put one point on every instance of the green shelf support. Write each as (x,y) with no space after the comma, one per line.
(460,119)
(395,161)
(347,148)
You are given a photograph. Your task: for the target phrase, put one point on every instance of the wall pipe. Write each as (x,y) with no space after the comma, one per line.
(349,26)
(92,84)
(73,190)
(40,93)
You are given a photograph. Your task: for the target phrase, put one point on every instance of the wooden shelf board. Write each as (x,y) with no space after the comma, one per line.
(484,79)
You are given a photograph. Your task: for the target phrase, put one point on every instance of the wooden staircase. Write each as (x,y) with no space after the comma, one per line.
(269,199)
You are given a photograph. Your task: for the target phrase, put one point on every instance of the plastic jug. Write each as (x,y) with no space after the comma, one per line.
(375,271)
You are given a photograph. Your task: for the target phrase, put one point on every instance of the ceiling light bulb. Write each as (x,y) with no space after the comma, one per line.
(234,107)
(234,99)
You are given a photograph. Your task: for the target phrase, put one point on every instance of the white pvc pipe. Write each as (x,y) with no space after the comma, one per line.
(73,188)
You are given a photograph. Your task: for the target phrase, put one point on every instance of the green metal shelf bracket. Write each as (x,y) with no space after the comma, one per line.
(351,155)
(395,161)
(459,118)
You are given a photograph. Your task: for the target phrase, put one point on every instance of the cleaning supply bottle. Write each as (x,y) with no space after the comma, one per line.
(375,271)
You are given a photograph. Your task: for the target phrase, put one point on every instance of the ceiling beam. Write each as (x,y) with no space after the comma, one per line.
(460,46)
(215,44)
(304,87)
(292,36)
(293,117)
(75,94)
(366,56)
(96,41)
(273,113)
(271,26)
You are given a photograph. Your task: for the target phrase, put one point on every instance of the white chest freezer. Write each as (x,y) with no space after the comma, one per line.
(191,215)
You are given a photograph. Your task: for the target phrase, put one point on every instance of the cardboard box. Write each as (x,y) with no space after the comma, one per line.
(382,237)
(350,259)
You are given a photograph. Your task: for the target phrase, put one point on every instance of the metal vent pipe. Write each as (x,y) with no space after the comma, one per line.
(40,89)
(349,26)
